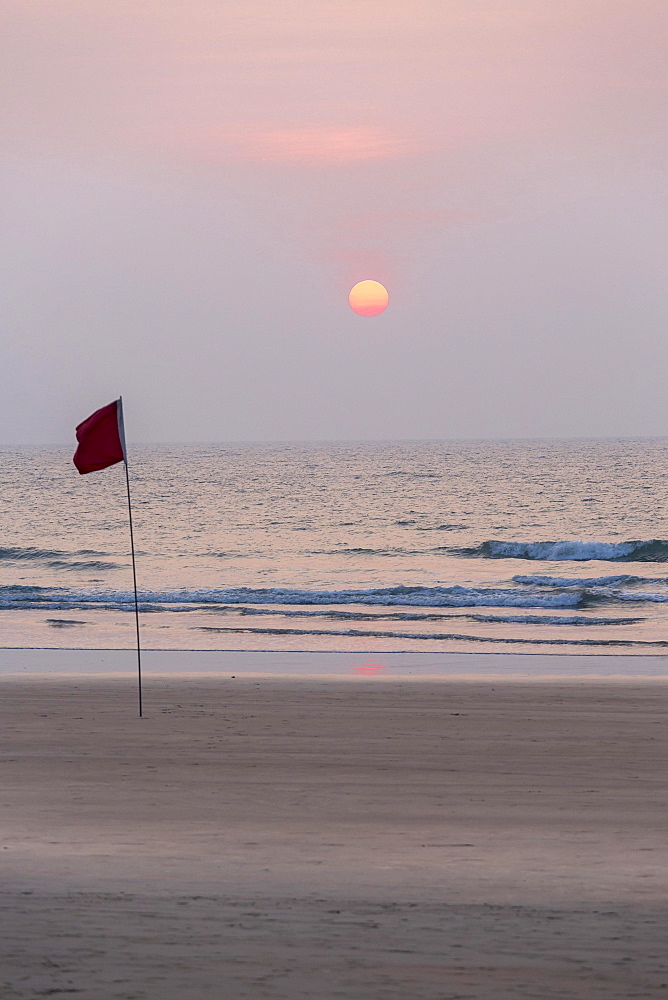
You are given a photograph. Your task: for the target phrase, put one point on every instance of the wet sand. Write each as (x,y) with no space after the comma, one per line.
(272,837)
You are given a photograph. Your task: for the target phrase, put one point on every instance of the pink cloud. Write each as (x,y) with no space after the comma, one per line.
(315,145)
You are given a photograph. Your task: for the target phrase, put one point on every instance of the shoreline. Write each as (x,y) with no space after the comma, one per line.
(332,666)
(317,652)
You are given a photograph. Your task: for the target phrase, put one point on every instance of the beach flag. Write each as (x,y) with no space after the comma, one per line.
(101,440)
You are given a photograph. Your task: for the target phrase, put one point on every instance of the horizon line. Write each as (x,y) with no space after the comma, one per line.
(321,441)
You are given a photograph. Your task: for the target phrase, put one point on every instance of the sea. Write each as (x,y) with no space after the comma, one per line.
(551,546)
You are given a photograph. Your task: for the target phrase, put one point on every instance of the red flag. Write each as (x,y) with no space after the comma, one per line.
(101,439)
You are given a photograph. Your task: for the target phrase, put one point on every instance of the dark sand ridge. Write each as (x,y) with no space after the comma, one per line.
(320,839)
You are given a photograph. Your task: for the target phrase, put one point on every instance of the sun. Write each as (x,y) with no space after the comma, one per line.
(368,298)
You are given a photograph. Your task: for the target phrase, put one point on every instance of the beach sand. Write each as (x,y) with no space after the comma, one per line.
(273,837)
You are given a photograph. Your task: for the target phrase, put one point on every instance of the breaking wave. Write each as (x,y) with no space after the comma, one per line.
(602,589)
(654,550)
(544,592)
(429,597)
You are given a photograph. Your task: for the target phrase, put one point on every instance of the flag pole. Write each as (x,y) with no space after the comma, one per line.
(132,548)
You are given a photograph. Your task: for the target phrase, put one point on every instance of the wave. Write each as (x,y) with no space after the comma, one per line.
(56,558)
(438,636)
(430,527)
(14,553)
(440,527)
(445,597)
(601,589)
(545,593)
(368,552)
(553,620)
(64,622)
(588,581)
(637,596)
(82,564)
(407,616)
(653,550)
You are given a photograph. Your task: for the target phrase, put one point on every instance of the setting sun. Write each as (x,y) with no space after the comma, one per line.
(368,298)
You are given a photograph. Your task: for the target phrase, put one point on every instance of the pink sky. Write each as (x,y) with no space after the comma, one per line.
(203,181)
(244,79)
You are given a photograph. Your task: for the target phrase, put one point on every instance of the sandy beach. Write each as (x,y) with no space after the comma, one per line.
(269,836)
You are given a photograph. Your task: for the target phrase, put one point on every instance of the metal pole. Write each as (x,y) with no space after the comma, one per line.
(134,578)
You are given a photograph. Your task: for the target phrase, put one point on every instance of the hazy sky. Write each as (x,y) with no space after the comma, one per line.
(191,187)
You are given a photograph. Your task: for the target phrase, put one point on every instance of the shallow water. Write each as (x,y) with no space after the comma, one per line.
(544,546)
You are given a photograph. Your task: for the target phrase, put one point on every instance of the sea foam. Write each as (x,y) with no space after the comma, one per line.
(653,550)
(430,597)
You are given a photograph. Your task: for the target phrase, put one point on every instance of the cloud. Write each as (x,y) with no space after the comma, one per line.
(315,145)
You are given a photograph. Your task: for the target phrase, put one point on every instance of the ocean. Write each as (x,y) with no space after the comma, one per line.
(470,546)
